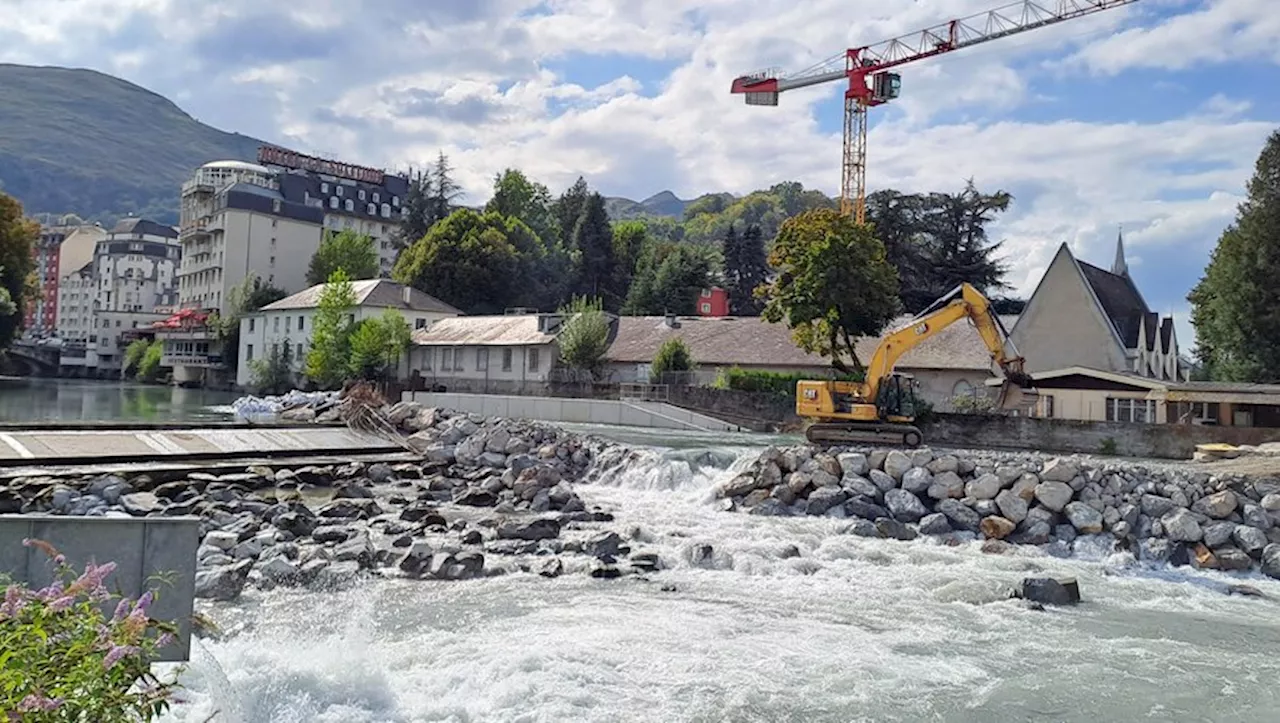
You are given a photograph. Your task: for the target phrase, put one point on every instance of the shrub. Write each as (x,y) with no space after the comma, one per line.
(672,356)
(972,404)
(63,659)
(783,383)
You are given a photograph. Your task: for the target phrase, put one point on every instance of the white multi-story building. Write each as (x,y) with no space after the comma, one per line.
(291,320)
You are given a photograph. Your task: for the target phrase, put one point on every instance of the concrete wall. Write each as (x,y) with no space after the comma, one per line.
(583,411)
(1167,441)
(141,548)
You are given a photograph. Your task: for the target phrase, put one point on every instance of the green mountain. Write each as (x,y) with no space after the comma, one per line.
(664,204)
(85,142)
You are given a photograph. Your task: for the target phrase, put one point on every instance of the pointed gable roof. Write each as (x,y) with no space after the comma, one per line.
(1120,300)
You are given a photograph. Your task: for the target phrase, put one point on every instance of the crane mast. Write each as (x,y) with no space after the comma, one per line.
(870,82)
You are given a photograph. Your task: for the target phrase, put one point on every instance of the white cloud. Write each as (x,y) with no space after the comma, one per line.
(392,82)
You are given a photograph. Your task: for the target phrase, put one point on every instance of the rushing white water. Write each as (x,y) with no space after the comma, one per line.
(847,629)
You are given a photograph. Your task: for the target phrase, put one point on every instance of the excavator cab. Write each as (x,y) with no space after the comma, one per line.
(896,398)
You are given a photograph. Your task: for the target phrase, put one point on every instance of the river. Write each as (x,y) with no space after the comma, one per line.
(848,630)
(29,399)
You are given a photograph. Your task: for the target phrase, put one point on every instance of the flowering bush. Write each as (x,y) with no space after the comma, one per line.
(63,659)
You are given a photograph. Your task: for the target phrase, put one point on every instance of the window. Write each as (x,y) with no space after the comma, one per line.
(482,360)
(395,201)
(1131,410)
(299,322)
(426,359)
(506,360)
(420,324)
(706,293)
(457,359)
(275,350)
(275,327)
(375,197)
(275,208)
(362,194)
(351,205)
(248,352)
(287,321)
(386,211)
(446,359)
(706,308)
(533,359)
(372,210)
(1044,407)
(338,190)
(324,188)
(299,355)
(333,202)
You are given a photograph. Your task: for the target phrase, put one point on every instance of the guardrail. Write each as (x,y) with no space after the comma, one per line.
(644,392)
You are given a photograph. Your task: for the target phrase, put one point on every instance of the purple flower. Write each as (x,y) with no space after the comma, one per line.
(62,604)
(36,703)
(50,593)
(144,602)
(91,579)
(165,640)
(14,601)
(122,609)
(116,653)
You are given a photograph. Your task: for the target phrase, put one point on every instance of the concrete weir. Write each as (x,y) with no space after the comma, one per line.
(152,553)
(55,446)
(655,415)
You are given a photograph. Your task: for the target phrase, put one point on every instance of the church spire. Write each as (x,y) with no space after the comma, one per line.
(1119,267)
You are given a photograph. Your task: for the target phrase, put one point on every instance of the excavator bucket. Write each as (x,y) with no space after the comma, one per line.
(1014,396)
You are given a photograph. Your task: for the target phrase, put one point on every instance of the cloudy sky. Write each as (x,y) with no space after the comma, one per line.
(1148,116)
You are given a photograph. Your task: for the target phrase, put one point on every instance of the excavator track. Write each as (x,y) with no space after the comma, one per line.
(829,433)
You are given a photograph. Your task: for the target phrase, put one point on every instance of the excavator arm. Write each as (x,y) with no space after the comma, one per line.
(964,302)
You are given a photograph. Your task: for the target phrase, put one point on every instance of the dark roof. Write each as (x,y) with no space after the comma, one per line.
(1120,300)
(298,186)
(1151,321)
(381,293)
(250,197)
(1226,387)
(1166,334)
(144,226)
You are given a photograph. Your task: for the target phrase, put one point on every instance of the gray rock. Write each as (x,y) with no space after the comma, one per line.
(985,487)
(1219,534)
(946,484)
(853,465)
(892,529)
(438,454)
(1048,591)
(1054,494)
(1255,516)
(1180,526)
(864,509)
(1026,486)
(605,544)
(917,480)
(882,480)
(876,459)
(863,528)
(380,473)
(921,457)
(1219,505)
(475,497)
(540,528)
(934,524)
(1066,533)
(279,570)
(1036,532)
(351,509)
(824,498)
(1250,539)
(861,486)
(140,504)
(945,463)
(896,464)
(961,517)
(223,583)
(333,533)
(221,539)
(1271,502)
(331,575)
(1011,506)
(1271,560)
(1084,518)
(904,506)
(1059,470)
(1232,559)
(416,561)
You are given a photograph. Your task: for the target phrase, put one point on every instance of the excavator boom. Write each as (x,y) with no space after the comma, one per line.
(882,407)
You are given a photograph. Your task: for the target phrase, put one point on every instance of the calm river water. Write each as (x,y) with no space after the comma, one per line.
(25,399)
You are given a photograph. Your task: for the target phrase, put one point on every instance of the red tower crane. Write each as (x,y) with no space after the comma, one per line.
(871,83)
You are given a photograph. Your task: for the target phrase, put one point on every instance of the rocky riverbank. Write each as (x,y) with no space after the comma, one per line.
(1162,513)
(489,497)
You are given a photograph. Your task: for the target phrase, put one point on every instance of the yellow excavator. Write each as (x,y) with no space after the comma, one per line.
(882,409)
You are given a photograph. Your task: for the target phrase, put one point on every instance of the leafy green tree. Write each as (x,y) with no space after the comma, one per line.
(133,355)
(17,235)
(568,209)
(833,285)
(745,268)
(468,260)
(592,245)
(672,356)
(445,192)
(668,279)
(272,373)
(149,365)
(378,344)
(418,209)
(1235,308)
(352,252)
(517,196)
(584,336)
(328,359)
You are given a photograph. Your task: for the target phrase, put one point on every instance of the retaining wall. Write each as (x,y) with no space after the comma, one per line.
(1165,441)
(653,415)
(141,548)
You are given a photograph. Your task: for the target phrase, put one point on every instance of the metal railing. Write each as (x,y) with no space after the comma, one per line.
(644,392)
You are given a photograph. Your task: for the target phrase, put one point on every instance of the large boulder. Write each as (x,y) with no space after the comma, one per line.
(853,465)
(1084,518)
(540,528)
(897,464)
(1219,505)
(1271,560)
(223,583)
(961,517)
(1012,506)
(1059,470)
(996,528)
(1054,494)
(904,506)
(985,487)
(917,480)
(1048,591)
(946,484)
(1181,526)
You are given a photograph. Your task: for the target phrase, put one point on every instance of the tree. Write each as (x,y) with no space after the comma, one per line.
(352,252)
(417,208)
(327,361)
(745,268)
(149,365)
(133,355)
(672,356)
(17,234)
(833,285)
(584,337)
(1235,307)
(592,246)
(272,373)
(468,260)
(246,298)
(668,279)
(445,191)
(378,344)
(516,196)
(568,209)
